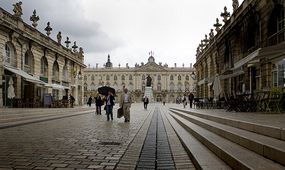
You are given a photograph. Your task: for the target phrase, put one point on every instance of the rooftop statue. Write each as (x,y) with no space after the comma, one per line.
(18,9)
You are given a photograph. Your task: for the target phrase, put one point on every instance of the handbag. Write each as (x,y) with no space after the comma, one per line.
(120,112)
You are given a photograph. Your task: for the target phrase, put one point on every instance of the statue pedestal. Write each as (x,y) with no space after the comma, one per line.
(149,94)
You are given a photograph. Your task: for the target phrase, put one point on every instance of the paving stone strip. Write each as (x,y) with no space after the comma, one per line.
(156,153)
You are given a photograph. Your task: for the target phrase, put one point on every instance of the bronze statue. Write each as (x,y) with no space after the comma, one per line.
(148,81)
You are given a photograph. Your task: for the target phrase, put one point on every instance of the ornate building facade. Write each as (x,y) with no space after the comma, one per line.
(168,84)
(33,65)
(247,52)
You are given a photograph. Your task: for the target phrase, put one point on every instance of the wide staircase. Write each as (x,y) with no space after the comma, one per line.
(215,142)
(149,94)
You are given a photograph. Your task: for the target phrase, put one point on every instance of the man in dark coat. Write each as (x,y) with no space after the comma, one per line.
(191,98)
(98,102)
(145,102)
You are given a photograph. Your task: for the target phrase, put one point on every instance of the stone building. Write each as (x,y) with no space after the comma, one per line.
(247,52)
(168,83)
(33,65)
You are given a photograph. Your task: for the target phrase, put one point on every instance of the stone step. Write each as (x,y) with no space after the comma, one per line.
(271,131)
(268,147)
(200,155)
(233,154)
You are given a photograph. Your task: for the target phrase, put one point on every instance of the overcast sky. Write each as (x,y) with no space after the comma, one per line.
(129,29)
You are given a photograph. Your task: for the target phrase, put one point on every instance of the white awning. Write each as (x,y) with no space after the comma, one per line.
(57,86)
(246,59)
(25,75)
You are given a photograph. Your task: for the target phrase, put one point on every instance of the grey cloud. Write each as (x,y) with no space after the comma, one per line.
(67,16)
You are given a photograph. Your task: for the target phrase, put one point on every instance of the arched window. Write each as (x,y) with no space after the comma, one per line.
(158,86)
(92,87)
(92,77)
(107,77)
(10,57)
(115,86)
(179,77)
(143,77)
(44,66)
(187,86)
(29,62)
(187,77)
(123,77)
(55,71)
(115,77)
(171,77)
(130,77)
(85,78)
(158,77)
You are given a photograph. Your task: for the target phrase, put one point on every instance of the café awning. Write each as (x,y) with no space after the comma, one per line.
(25,75)
(57,86)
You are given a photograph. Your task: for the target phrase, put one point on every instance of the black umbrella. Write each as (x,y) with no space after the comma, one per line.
(105,89)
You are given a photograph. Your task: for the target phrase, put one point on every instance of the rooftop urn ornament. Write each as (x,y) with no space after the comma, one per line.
(34,18)
(74,47)
(48,29)
(211,34)
(18,9)
(59,37)
(225,14)
(67,42)
(217,25)
(235,5)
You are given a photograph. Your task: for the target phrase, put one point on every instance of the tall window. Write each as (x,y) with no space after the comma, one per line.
(123,77)
(85,86)
(187,77)
(8,54)
(55,71)
(158,77)
(65,72)
(92,87)
(92,77)
(143,77)
(279,74)
(115,77)
(158,86)
(171,77)
(179,87)
(130,77)
(131,87)
(179,78)
(107,77)
(171,87)
(44,67)
(85,77)
(276,25)
(29,62)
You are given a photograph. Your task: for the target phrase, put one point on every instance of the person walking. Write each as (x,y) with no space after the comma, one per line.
(72,100)
(191,98)
(109,105)
(125,103)
(98,103)
(145,102)
(184,101)
(89,101)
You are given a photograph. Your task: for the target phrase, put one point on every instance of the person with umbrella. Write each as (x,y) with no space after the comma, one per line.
(109,105)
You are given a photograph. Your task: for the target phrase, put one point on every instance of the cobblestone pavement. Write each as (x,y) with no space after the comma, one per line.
(85,141)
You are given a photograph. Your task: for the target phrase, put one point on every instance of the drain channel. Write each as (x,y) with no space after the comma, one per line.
(156,153)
